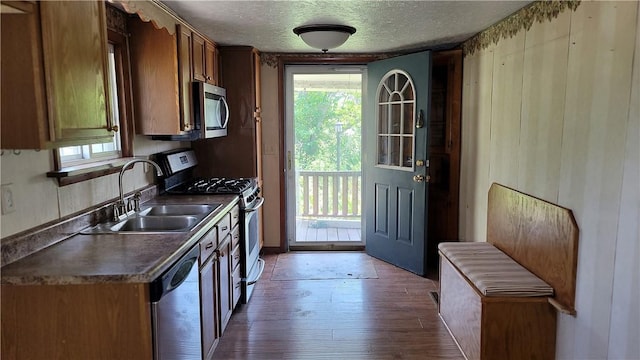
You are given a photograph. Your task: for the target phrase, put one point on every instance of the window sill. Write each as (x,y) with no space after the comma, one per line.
(75,174)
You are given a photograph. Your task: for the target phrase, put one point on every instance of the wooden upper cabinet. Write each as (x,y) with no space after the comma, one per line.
(54,75)
(204,60)
(211,63)
(164,66)
(185,75)
(199,61)
(161,78)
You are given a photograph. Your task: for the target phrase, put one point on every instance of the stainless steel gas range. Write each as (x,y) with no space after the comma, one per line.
(178,168)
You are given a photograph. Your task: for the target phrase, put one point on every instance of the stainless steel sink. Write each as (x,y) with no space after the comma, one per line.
(178,209)
(158,218)
(156,223)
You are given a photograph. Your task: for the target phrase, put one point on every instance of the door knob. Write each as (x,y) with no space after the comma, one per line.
(418,178)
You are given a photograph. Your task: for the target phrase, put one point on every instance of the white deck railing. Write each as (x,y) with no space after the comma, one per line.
(329,194)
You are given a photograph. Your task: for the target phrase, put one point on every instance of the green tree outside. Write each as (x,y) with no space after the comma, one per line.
(316,113)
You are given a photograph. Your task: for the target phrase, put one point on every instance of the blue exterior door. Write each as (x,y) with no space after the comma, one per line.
(394,165)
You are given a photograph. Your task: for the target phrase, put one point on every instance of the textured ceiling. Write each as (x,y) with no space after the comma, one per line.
(382,26)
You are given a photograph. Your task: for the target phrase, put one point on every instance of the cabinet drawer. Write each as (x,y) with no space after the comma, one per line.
(208,244)
(235,236)
(235,257)
(235,215)
(236,286)
(224,226)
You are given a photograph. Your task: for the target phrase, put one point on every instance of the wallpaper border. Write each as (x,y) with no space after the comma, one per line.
(522,19)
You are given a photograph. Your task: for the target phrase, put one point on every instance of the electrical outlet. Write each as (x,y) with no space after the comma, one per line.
(8,202)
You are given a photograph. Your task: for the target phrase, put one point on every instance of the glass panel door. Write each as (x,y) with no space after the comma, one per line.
(324,182)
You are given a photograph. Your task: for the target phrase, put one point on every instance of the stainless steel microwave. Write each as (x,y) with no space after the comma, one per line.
(210,109)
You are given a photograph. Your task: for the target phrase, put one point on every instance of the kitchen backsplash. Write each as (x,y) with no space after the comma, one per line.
(39,199)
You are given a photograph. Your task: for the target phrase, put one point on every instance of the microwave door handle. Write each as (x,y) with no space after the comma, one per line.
(226,106)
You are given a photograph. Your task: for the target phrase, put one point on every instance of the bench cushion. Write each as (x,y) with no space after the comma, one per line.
(493,272)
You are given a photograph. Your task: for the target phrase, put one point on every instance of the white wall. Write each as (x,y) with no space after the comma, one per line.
(553,112)
(39,199)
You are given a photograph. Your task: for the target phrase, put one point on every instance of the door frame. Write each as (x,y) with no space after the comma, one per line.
(299,59)
(290,196)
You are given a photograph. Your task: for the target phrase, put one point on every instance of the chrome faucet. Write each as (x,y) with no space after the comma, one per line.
(120,209)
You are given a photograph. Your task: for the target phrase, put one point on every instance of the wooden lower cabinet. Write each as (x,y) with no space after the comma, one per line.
(236,279)
(113,321)
(94,321)
(209,305)
(216,291)
(225,289)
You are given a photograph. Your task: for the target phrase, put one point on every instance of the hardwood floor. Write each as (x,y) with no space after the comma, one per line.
(391,317)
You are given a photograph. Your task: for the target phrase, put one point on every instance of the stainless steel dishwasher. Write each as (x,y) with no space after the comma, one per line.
(175,310)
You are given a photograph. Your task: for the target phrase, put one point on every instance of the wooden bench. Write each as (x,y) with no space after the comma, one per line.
(499,299)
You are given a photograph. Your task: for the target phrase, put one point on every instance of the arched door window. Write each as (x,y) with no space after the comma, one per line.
(396,121)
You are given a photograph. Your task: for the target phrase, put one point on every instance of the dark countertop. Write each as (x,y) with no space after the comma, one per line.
(124,258)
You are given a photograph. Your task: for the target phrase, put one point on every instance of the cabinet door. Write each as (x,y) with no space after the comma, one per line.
(54,85)
(211,63)
(199,62)
(238,67)
(24,113)
(225,290)
(154,75)
(237,286)
(209,305)
(74,38)
(185,76)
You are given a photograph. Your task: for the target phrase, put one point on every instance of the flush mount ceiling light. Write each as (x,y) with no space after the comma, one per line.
(324,37)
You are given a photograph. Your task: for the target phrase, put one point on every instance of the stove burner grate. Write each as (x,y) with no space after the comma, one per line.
(219,186)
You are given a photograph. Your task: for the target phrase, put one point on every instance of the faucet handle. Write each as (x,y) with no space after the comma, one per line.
(119,211)
(136,201)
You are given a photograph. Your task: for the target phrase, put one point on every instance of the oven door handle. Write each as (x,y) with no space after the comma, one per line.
(255,207)
(261,263)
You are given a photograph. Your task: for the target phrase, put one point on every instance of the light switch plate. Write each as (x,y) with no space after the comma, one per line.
(8,202)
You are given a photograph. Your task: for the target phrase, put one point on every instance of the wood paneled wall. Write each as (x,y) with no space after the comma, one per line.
(553,112)
(271,156)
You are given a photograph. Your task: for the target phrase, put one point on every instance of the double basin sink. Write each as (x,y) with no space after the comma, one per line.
(158,219)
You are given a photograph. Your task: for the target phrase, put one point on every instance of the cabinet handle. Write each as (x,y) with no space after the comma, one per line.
(225,228)
(209,245)
(218,253)
(114,128)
